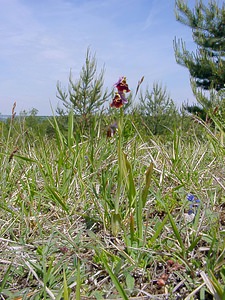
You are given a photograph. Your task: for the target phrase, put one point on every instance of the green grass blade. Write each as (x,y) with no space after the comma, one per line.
(25,158)
(56,197)
(159,229)
(140,203)
(131,229)
(139,220)
(130,181)
(115,223)
(212,286)
(217,286)
(176,233)
(59,136)
(5,278)
(114,279)
(148,179)
(65,287)
(70,129)
(78,286)
(194,243)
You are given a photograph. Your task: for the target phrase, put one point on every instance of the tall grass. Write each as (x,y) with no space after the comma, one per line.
(104,218)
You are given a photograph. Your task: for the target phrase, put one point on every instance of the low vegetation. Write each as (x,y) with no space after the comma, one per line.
(130,215)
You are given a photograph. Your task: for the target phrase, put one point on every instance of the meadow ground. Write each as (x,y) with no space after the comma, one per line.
(112,218)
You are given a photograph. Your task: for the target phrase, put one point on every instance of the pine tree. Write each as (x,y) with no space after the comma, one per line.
(86,95)
(158,109)
(207,65)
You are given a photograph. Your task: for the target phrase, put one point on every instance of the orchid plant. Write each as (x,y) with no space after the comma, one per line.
(125,175)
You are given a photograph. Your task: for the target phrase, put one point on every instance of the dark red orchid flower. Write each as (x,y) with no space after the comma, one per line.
(117,101)
(122,85)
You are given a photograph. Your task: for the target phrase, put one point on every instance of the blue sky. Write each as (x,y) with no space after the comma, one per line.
(41,41)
